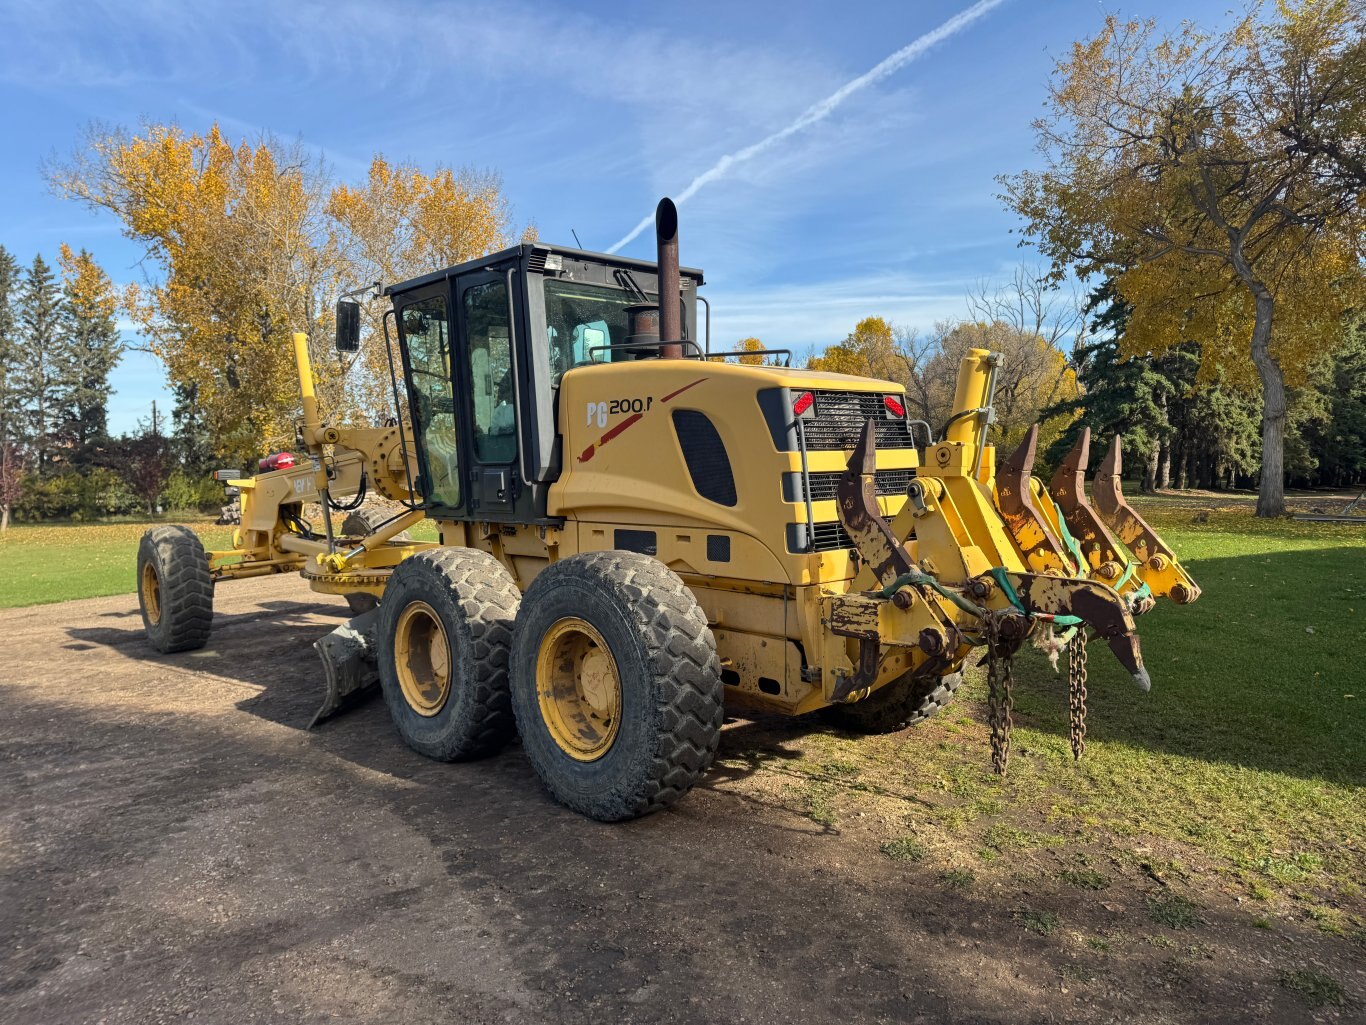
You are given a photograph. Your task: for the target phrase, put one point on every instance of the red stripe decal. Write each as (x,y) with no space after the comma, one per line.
(592,450)
(633,418)
(680,391)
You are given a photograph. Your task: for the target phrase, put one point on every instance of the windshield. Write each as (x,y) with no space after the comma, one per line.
(579,317)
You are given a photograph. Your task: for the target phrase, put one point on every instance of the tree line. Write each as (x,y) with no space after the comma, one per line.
(248,241)
(1065,368)
(59,341)
(1206,187)
(1214,181)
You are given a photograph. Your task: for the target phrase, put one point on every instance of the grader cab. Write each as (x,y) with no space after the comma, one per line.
(635,533)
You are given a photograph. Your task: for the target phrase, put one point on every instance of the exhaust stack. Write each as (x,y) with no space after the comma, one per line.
(666,242)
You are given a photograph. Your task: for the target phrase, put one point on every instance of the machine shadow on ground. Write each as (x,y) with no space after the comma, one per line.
(720,907)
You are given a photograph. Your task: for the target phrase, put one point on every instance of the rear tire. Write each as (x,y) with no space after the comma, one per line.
(360,523)
(603,618)
(175,589)
(904,702)
(443,637)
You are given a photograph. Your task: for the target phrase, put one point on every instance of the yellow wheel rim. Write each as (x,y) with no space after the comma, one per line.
(151,594)
(422,659)
(579,689)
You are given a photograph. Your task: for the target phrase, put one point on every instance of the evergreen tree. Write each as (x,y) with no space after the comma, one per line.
(43,364)
(10,404)
(91,347)
(11,429)
(1330,416)
(192,443)
(1176,432)
(1121,396)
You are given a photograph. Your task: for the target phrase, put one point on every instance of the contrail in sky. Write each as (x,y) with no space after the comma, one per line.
(823,109)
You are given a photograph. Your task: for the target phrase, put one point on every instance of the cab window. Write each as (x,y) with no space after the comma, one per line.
(581,317)
(491,379)
(427,340)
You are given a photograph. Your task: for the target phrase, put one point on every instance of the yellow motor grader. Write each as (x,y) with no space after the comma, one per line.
(635,532)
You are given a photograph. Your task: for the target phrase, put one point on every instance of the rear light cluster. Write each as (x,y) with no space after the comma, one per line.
(807,399)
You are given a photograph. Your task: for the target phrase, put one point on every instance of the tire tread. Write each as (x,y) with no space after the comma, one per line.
(681,651)
(186,588)
(488,598)
(904,702)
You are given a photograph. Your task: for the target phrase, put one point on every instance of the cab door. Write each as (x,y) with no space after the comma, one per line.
(486,315)
(425,336)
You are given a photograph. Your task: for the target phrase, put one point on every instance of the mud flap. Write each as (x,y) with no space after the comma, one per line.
(348,655)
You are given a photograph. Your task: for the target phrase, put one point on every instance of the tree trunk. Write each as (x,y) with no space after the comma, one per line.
(1164,466)
(1149,484)
(4,518)
(1271,493)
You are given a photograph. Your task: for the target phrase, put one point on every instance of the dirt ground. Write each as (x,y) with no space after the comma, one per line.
(175,847)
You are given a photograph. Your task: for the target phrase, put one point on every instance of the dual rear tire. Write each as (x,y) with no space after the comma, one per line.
(606,667)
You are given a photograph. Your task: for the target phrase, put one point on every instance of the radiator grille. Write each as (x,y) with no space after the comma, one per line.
(825,483)
(830,536)
(840,417)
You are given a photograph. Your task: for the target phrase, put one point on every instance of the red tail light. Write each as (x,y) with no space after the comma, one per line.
(278,461)
(803,403)
(893,405)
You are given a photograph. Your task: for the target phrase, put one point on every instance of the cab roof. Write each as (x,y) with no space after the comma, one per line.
(533,255)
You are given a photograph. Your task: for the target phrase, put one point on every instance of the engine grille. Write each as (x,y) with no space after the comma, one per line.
(840,416)
(824,484)
(830,536)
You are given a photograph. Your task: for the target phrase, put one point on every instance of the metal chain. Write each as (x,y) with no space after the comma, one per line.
(1076,692)
(1000,697)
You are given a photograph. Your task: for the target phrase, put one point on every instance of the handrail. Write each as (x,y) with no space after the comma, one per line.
(644,347)
(418,500)
(516,377)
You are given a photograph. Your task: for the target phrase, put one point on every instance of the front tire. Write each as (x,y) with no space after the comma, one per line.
(904,702)
(616,684)
(175,589)
(443,637)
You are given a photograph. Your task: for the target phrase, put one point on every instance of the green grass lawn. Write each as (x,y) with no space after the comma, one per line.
(45,563)
(1249,753)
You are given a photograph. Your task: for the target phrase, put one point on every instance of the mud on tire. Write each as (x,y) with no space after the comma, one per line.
(904,702)
(475,600)
(670,683)
(175,589)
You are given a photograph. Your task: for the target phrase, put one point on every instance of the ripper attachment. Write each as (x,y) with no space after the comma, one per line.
(998,608)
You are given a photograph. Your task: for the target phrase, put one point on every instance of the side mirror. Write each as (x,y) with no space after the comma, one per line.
(348,325)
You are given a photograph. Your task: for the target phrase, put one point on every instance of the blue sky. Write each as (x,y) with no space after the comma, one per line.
(590,112)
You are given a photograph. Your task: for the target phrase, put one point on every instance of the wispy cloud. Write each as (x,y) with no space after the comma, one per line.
(820,111)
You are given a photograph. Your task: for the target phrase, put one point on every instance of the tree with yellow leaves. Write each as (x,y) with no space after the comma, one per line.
(237,232)
(754,354)
(402,223)
(1219,180)
(253,241)
(1033,376)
